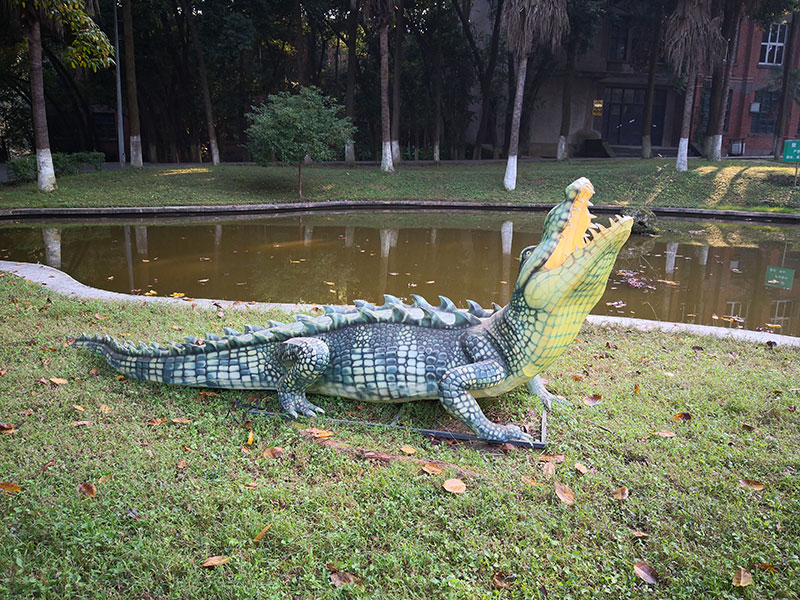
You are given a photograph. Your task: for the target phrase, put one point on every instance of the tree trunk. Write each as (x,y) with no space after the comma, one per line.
(299,178)
(510,179)
(352,36)
(300,44)
(201,68)
(647,121)
(686,122)
(722,74)
(130,78)
(566,104)
(386,140)
(437,99)
(46,174)
(783,108)
(398,61)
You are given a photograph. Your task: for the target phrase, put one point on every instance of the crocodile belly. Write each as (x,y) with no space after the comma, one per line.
(388,362)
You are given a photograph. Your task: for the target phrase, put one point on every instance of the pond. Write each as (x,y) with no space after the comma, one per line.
(712,273)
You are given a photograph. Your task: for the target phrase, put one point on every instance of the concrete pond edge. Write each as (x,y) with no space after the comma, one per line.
(60,282)
(139,212)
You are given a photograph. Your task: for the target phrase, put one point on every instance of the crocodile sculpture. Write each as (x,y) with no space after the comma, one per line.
(400,353)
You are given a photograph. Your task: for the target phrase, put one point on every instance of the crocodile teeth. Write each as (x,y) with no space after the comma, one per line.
(594,226)
(601,227)
(591,216)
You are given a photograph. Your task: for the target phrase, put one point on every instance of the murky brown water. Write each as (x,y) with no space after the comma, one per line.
(730,275)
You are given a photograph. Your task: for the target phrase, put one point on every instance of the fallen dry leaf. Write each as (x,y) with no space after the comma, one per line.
(408,449)
(58,380)
(551,458)
(645,572)
(640,534)
(251,436)
(592,400)
(432,469)
(549,469)
(530,481)
(742,578)
(215,561)
(262,533)
(578,376)
(87,489)
(318,434)
(565,494)
(499,580)
(748,427)
(766,567)
(252,485)
(81,423)
(48,464)
(751,484)
(181,420)
(156,421)
(664,433)
(273,452)
(341,578)
(79,407)
(187,449)
(621,493)
(636,388)
(6,427)
(682,417)
(105,408)
(455,486)
(581,468)
(11,488)
(181,465)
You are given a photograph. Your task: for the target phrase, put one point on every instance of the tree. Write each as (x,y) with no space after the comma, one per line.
(527,21)
(88,48)
(352,38)
(584,19)
(293,126)
(400,29)
(201,68)
(130,77)
(379,12)
(691,37)
(657,31)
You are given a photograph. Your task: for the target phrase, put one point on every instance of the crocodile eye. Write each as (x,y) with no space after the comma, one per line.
(526,253)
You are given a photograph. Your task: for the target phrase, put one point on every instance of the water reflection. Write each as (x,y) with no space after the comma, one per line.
(687,275)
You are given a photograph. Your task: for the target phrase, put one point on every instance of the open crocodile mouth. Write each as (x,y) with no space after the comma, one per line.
(582,233)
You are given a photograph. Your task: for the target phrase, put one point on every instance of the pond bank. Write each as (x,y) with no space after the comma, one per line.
(60,282)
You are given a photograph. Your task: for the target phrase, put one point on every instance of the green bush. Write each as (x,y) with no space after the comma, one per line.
(23,168)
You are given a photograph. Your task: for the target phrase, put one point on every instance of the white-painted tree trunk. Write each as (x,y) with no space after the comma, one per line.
(715,148)
(561,152)
(46,173)
(396,157)
(510,179)
(436,153)
(350,153)
(136,151)
(214,150)
(683,155)
(647,147)
(387,166)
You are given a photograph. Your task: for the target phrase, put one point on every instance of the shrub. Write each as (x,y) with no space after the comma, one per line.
(23,168)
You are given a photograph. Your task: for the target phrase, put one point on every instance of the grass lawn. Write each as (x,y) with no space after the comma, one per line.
(745,185)
(171,495)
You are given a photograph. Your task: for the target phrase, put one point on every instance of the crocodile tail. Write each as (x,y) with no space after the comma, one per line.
(198,363)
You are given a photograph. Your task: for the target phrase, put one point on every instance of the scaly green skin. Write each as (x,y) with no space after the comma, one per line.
(400,353)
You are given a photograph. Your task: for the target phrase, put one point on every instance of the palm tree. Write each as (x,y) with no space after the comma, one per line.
(89,48)
(130,77)
(527,21)
(379,12)
(690,39)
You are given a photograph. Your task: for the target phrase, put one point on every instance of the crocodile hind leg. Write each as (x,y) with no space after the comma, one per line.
(304,359)
(536,386)
(455,398)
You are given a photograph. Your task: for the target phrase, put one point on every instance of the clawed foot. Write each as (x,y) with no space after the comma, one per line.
(296,403)
(508,433)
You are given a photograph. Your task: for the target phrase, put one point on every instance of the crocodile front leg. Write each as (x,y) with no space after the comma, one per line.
(455,397)
(304,359)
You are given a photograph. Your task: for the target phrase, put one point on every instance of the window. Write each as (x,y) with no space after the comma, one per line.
(618,40)
(705,108)
(764,120)
(772,43)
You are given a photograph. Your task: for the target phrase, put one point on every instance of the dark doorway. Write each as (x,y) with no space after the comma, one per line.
(624,112)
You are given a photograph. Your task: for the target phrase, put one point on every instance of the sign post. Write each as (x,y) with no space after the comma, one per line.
(791,153)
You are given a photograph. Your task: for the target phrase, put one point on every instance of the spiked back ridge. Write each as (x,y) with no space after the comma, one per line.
(420,313)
